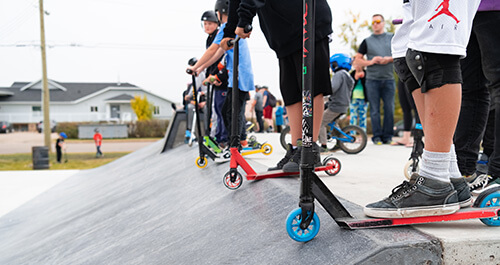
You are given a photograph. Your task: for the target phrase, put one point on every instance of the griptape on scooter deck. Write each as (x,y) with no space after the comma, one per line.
(463,214)
(281,173)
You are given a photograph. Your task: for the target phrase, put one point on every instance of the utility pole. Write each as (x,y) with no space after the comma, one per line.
(45,83)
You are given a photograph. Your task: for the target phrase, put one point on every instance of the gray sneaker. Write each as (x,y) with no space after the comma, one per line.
(420,197)
(293,164)
(463,192)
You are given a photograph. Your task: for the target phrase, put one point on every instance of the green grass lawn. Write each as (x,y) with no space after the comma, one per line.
(75,161)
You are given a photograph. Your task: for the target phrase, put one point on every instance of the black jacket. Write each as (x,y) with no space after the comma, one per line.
(280,20)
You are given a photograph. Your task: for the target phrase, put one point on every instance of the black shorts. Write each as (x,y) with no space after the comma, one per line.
(438,70)
(405,75)
(291,74)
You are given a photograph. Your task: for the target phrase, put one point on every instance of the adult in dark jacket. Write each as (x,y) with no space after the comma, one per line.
(281,23)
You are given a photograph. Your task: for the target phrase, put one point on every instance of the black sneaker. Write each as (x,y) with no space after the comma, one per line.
(293,164)
(479,182)
(420,197)
(284,160)
(463,192)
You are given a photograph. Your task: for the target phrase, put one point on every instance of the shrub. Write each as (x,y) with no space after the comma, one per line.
(70,128)
(151,128)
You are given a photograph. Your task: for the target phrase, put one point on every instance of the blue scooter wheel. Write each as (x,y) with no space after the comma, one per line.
(293,226)
(490,199)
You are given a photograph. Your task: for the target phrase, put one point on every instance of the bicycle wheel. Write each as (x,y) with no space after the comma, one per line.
(285,137)
(358,142)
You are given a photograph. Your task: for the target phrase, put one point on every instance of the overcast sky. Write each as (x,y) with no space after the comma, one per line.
(146,43)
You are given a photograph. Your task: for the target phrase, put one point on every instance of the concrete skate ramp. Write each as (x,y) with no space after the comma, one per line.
(152,208)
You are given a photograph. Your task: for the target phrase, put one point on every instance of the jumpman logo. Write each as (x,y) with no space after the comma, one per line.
(445,10)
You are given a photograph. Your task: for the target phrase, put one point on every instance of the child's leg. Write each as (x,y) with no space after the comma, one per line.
(362,113)
(353,110)
(295,118)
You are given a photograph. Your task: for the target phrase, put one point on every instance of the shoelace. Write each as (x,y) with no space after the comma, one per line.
(401,188)
(480,182)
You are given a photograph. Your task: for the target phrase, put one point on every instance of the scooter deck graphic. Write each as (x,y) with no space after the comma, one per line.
(464,214)
(281,173)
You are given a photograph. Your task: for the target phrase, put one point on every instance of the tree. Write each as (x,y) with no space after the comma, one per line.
(349,31)
(142,108)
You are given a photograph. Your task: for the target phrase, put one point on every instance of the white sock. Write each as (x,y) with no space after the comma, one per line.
(454,170)
(435,165)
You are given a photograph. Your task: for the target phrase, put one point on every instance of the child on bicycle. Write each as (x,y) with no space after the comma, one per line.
(338,102)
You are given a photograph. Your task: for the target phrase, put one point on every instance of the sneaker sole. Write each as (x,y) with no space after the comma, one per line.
(478,191)
(412,212)
(466,203)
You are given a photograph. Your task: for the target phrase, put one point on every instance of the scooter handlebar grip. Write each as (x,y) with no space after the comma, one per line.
(397,21)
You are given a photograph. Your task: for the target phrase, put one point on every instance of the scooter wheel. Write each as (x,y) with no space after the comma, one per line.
(252,138)
(268,149)
(232,180)
(201,162)
(408,169)
(293,226)
(333,162)
(489,198)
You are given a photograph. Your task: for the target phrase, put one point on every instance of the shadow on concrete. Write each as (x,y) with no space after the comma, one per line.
(152,208)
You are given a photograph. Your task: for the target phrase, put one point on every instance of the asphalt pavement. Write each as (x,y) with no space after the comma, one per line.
(198,204)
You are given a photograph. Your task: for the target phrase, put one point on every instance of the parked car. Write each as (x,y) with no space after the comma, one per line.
(6,127)
(53,124)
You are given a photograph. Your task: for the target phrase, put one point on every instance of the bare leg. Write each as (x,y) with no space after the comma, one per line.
(319,105)
(295,117)
(439,120)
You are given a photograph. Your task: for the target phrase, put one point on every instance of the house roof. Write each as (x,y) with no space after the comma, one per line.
(121,97)
(4,92)
(59,92)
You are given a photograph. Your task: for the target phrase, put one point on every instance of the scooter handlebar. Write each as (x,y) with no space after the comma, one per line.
(247,29)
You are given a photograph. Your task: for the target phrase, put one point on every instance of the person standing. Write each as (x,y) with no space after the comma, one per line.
(60,145)
(431,71)
(282,25)
(268,109)
(379,79)
(98,142)
(359,100)
(279,113)
(258,107)
(481,85)
(245,72)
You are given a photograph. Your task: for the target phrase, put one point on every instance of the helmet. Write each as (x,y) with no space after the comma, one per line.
(340,60)
(209,16)
(222,6)
(192,61)
(63,135)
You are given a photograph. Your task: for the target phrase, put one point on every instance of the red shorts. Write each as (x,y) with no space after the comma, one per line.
(268,112)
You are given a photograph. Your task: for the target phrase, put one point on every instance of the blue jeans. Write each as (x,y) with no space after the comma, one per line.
(221,132)
(481,76)
(384,90)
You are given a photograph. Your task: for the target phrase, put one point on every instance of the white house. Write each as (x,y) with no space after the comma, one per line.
(21,104)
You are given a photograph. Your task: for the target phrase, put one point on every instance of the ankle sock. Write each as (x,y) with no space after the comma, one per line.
(435,165)
(454,170)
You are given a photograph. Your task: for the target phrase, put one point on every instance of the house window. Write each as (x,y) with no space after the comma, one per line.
(93,109)
(36,108)
(156,110)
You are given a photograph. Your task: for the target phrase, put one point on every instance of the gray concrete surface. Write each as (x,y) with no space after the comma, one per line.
(147,208)
(21,142)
